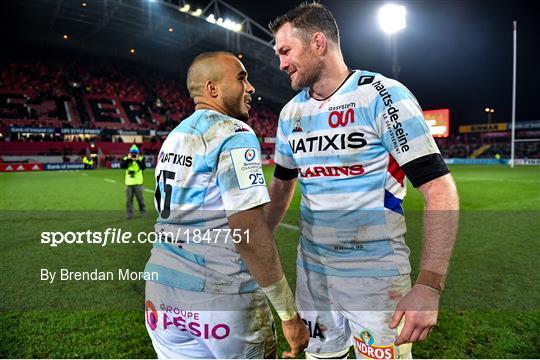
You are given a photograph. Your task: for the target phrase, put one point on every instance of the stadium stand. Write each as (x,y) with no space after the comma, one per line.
(100,94)
(114,95)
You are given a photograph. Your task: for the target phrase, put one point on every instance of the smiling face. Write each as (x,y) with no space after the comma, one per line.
(235,89)
(297,58)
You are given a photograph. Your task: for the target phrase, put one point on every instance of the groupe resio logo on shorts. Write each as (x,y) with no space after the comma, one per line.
(151,315)
(249,155)
(186,321)
(366,344)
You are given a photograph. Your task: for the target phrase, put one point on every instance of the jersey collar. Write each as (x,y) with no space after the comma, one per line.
(318,101)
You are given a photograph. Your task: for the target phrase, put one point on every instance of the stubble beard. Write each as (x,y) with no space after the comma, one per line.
(234,109)
(238,112)
(313,77)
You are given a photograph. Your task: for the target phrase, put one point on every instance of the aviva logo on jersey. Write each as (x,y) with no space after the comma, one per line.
(366,345)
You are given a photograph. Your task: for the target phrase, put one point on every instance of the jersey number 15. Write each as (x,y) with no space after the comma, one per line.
(164,211)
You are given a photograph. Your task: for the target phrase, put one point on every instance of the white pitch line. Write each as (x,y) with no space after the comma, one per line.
(493,179)
(148,190)
(84,174)
(289,226)
(110,180)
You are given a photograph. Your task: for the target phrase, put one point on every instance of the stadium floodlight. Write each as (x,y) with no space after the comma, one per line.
(228,24)
(392,18)
(232,25)
(184,8)
(197,12)
(489,111)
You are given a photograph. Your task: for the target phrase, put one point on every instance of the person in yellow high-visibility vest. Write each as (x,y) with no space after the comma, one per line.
(134,165)
(87,161)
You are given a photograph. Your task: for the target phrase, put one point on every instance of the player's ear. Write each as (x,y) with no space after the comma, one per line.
(211,89)
(319,43)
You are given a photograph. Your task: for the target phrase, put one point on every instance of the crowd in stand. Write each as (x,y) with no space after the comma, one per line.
(165,98)
(462,146)
(44,82)
(457,146)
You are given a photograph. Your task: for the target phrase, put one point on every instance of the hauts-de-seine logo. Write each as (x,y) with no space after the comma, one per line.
(151,315)
(366,344)
(249,155)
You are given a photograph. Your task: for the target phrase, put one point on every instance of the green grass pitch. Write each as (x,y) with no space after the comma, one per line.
(490,308)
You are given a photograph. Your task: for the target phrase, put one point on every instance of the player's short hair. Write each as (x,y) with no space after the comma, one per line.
(201,69)
(308,18)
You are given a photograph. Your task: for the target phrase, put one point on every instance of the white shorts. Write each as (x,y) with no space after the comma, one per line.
(189,324)
(341,312)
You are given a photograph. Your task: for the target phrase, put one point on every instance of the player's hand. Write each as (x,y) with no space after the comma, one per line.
(297,335)
(420,308)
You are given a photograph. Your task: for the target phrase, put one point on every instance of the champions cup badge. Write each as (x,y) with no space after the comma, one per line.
(366,345)
(249,155)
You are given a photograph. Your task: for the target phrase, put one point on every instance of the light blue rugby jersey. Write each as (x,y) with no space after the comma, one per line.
(208,168)
(348,150)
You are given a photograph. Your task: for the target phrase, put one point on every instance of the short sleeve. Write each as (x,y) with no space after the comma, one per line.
(400,122)
(240,176)
(283,154)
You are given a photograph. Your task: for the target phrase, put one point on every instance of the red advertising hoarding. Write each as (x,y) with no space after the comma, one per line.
(439,122)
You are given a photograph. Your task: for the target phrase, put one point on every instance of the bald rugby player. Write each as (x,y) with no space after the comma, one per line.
(216,261)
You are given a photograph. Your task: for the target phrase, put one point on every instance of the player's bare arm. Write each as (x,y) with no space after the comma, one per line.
(420,305)
(281,193)
(260,252)
(261,256)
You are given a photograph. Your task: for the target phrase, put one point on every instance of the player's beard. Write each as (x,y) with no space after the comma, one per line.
(235,108)
(311,76)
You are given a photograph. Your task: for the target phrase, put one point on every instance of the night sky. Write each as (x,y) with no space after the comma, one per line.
(455,54)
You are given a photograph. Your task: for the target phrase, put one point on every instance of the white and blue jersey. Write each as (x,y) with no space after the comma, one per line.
(208,168)
(348,150)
